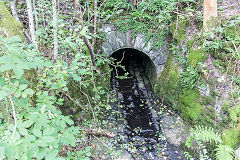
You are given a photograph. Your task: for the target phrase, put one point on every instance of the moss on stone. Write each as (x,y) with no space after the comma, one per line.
(179,32)
(191,109)
(226,106)
(206,100)
(235,114)
(195,56)
(232,31)
(231,137)
(8,25)
(168,86)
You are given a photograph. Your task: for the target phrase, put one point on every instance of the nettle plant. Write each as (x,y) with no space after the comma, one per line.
(37,129)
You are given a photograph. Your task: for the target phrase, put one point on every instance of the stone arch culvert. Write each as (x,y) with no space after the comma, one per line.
(116,40)
(139,120)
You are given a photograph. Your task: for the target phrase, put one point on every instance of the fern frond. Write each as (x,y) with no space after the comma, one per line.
(205,134)
(224,152)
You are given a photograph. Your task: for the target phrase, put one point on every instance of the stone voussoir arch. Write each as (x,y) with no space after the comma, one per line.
(116,40)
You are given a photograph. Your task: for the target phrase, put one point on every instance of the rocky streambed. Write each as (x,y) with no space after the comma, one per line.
(151,130)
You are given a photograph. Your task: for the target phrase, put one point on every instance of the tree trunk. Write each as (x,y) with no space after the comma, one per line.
(95,24)
(14,10)
(55,39)
(31,23)
(209,14)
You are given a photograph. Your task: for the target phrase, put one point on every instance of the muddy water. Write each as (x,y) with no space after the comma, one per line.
(145,139)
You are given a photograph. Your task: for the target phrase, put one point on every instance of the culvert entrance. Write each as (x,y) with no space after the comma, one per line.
(135,100)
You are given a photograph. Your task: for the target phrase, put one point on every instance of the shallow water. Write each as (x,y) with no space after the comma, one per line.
(145,138)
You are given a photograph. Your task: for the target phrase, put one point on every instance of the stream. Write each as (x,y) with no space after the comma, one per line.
(135,100)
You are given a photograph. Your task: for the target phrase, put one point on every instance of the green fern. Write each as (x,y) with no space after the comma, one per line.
(205,134)
(224,152)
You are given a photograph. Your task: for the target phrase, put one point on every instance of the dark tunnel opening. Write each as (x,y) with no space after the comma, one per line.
(127,56)
(132,96)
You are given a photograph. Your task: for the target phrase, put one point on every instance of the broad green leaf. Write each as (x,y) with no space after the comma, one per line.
(2,152)
(48,139)
(17,94)
(2,81)
(29,91)
(41,143)
(63,124)
(18,71)
(48,131)
(52,155)
(23,131)
(35,12)
(24,95)
(37,132)
(22,87)
(32,151)
(3,95)
(29,138)
(27,123)
(41,153)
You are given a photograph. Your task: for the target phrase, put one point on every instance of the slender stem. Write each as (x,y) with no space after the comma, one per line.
(55,39)
(14,115)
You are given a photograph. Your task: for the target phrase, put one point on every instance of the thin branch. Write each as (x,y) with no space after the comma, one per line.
(35,16)
(100,132)
(80,86)
(69,97)
(87,42)
(14,115)
(31,23)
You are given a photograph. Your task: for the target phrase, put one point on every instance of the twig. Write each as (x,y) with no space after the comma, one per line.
(100,132)
(74,101)
(14,115)
(87,100)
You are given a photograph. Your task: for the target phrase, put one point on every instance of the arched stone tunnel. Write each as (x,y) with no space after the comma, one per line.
(116,41)
(127,56)
(136,102)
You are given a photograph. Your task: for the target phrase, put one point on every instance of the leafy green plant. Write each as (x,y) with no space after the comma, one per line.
(39,129)
(81,154)
(143,18)
(205,136)
(190,78)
